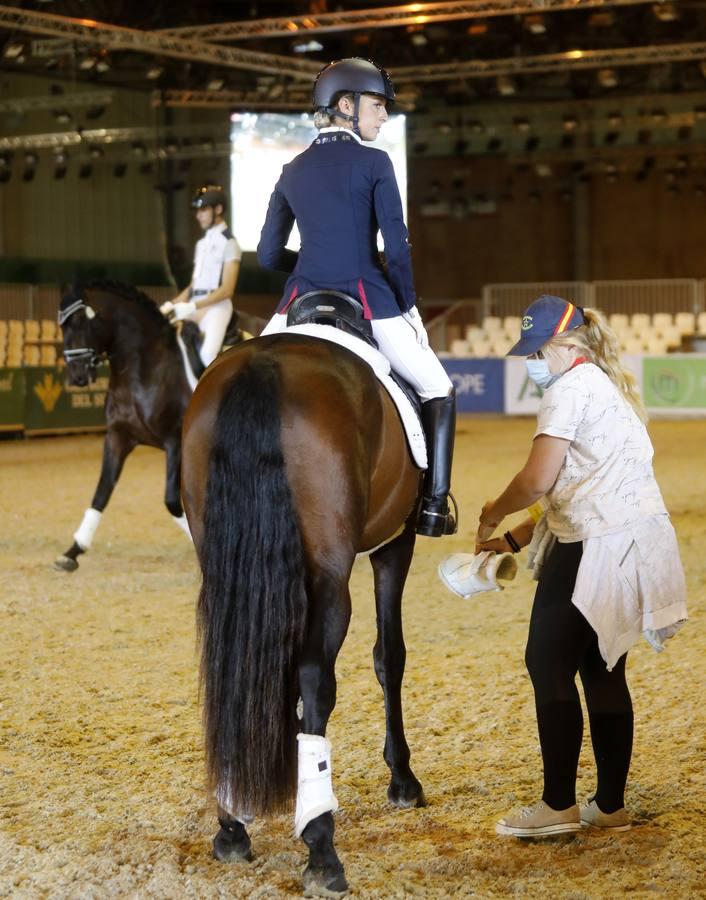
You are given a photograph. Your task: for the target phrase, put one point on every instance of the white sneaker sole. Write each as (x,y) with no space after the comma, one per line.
(537,831)
(585,824)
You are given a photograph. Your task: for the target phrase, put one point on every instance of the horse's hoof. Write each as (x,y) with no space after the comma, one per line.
(228,850)
(409,796)
(65,564)
(323,883)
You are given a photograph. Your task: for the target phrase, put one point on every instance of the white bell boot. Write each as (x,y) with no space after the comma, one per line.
(467,574)
(315,789)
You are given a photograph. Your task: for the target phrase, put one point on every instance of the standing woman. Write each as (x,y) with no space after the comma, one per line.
(605,555)
(341,193)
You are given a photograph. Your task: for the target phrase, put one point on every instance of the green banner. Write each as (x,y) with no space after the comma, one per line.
(52,405)
(12,399)
(674,382)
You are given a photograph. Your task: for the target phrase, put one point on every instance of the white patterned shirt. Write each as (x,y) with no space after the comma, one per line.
(606,482)
(216,247)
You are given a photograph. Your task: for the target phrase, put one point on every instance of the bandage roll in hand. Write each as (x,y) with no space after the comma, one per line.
(183,310)
(415,320)
(166,308)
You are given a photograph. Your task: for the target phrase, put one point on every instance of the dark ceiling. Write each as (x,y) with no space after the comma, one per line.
(496,37)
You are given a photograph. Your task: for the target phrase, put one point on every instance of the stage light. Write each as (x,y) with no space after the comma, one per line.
(308,47)
(615,119)
(138,148)
(62,116)
(87,63)
(521,125)
(570,123)
(543,170)
(506,85)
(96,152)
(215,84)
(102,65)
(13,50)
(658,116)
(665,12)
(535,24)
(154,72)
(607,78)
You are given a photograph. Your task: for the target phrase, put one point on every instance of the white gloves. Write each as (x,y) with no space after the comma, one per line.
(183,310)
(415,320)
(166,308)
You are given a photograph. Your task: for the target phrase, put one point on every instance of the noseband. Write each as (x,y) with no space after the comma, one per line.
(86,355)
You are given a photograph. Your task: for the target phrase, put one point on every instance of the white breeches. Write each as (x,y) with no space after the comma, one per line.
(398,342)
(213,322)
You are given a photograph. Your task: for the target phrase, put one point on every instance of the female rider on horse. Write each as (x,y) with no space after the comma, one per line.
(341,193)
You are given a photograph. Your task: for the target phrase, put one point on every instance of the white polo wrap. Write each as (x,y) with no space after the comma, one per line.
(315,789)
(184,525)
(87,528)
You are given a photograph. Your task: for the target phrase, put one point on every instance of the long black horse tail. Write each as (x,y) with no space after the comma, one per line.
(253,605)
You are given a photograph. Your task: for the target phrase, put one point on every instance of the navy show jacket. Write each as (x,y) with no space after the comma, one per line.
(341,193)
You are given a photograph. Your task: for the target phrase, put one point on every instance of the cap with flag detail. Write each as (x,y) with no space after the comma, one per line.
(544,319)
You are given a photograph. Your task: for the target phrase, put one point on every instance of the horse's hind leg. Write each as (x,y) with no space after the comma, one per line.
(232,843)
(330,613)
(390,566)
(116,447)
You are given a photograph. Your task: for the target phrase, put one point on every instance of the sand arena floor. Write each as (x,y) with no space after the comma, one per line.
(101,766)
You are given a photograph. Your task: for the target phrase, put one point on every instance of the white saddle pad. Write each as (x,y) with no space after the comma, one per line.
(381,366)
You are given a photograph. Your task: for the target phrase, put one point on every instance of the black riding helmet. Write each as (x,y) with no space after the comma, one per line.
(209,195)
(351,76)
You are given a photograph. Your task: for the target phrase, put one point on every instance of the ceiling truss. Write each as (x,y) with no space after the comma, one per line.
(115,37)
(382,17)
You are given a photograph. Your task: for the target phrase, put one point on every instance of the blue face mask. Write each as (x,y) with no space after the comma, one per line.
(538,371)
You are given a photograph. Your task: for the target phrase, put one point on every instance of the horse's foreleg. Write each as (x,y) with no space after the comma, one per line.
(330,613)
(115,450)
(390,566)
(172,493)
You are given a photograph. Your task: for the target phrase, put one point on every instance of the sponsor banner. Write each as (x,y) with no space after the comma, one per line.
(12,399)
(522,395)
(675,383)
(53,405)
(478,382)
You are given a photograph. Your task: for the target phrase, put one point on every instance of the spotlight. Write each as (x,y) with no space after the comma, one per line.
(13,50)
(665,12)
(308,47)
(658,116)
(154,72)
(87,63)
(138,148)
(543,170)
(521,125)
(700,113)
(31,159)
(615,119)
(215,84)
(535,24)
(607,78)
(570,123)
(506,85)
(62,116)
(96,152)
(102,65)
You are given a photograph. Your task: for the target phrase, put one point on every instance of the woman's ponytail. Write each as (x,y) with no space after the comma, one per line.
(604,350)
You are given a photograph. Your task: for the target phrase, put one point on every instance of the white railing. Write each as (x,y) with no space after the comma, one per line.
(654,295)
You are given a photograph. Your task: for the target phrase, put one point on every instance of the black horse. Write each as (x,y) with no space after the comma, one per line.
(147,394)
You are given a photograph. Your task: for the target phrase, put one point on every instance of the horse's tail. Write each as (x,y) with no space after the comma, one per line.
(253,604)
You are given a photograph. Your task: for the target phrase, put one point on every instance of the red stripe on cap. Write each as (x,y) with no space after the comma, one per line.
(565,319)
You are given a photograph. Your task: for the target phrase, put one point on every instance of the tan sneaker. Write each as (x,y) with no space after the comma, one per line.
(540,820)
(592,816)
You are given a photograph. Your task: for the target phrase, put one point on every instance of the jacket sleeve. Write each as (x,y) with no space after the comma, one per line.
(272,252)
(388,211)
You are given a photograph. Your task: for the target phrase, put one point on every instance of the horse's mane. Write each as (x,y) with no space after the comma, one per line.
(124,291)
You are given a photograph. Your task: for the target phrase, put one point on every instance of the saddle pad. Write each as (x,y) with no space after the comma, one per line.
(381,366)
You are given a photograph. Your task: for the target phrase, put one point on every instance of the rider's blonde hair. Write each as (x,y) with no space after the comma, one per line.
(324,119)
(598,342)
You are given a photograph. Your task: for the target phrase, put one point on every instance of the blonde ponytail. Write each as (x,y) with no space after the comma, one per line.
(597,340)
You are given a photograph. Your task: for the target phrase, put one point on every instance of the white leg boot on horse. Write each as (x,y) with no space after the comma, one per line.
(315,788)
(83,538)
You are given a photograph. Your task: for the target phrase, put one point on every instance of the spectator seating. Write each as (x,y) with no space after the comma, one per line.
(638,334)
(29,343)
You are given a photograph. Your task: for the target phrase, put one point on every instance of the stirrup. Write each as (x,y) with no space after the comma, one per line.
(432,523)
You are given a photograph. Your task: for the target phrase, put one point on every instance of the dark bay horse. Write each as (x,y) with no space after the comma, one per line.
(147,395)
(294,461)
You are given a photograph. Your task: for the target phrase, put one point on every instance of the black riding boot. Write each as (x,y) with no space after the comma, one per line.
(439,421)
(191,335)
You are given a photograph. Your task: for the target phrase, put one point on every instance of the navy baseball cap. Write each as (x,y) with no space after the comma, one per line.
(543,319)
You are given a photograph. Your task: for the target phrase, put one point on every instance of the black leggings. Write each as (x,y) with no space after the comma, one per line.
(560,644)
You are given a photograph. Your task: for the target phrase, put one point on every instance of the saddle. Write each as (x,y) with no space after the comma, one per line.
(335,308)
(326,307)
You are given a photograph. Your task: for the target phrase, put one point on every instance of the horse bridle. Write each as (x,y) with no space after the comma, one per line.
(87,355)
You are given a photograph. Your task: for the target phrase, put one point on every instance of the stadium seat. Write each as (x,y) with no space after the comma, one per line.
(48,330)
(47,356)
(492,324)
(31,330)
(701,323)
(671,337)
(460,348)
(640,323)
(480,347)
(512,326)
(685,322)
(662,320)
(619,322)
(656,345)
(473,332)
(633,346)
(500,345)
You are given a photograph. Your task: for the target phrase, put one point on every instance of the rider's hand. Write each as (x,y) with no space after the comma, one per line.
(166,308)
(183,310)
(415,320)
